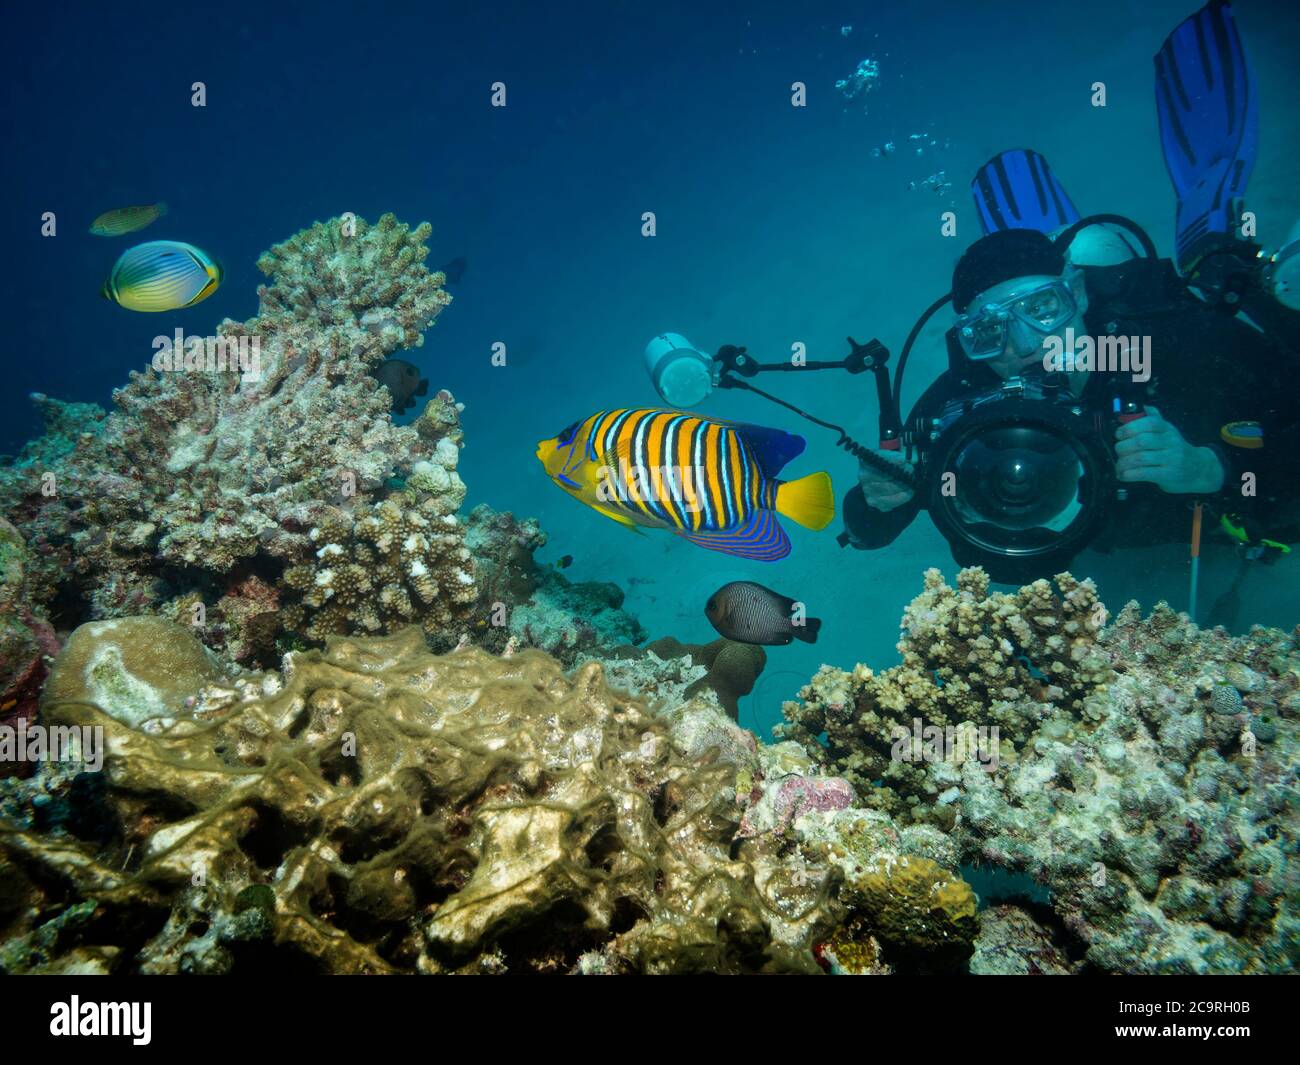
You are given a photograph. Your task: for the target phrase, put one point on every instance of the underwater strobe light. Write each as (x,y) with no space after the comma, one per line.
(1015,473)
(681,375)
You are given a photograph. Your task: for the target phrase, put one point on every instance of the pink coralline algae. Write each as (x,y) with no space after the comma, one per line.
(785,800)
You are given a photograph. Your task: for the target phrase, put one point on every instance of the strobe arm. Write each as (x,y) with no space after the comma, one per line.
(735,363)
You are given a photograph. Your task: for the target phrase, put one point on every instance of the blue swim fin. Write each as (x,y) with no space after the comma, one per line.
(1209,127)
(1017,190)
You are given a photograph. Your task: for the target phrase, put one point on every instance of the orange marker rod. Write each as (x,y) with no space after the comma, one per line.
(1196,561)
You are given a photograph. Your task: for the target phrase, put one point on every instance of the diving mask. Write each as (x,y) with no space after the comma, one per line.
(983,332)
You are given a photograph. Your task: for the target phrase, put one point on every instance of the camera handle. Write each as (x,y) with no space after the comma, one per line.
(735,364)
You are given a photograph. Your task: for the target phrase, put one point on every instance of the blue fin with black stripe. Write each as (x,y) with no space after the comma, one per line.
(1209,127)
(1017,190)
(761,539)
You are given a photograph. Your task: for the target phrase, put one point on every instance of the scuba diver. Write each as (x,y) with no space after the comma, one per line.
(1192,400)
(1093,390)
(1095,394)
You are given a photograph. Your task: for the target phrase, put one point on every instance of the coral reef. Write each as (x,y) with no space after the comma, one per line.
(270,502)
(1012,943)
(26,640)
(374,807)
(206,478)
(1159,810)
(531,605)
(732,668)
(1001,660)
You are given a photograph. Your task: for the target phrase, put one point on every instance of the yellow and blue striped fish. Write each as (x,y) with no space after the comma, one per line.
(127,219)
(713,483)
(163,275)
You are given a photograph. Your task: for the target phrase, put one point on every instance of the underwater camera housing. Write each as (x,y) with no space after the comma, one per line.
(1016,472)
(1018,476)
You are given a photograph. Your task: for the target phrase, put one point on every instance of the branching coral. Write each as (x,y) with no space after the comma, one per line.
(1158,809)
(1004,660)
(382,568)
(206,477)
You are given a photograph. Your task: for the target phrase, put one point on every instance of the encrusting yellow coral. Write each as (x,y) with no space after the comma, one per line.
(918,908)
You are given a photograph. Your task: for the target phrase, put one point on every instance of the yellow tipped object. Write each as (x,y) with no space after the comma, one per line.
(163,275)
(810,500)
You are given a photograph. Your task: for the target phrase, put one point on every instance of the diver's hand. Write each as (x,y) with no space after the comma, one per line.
(1150,449)
(880,490)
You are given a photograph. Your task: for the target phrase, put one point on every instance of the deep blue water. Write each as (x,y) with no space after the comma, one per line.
(775,224)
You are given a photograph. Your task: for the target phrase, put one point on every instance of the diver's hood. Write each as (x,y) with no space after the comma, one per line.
(1102,244)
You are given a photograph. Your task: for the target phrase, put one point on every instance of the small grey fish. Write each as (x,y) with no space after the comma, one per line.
(750,613)
(403,381)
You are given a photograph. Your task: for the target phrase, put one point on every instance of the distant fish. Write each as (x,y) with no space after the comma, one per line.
(403,381)
(454,270)
(127,219)
(564,563)
(712,483)
(750,613)
(163,275)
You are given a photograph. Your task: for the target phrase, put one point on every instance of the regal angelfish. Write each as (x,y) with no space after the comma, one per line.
(713,483)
